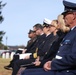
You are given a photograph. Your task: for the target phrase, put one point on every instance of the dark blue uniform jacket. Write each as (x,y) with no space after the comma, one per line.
(66,56)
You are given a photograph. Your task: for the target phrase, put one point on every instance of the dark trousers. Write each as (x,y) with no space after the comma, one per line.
(18,63)
(40,71)
(15,57)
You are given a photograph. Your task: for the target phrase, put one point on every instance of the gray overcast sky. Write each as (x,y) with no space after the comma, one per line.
(21,15)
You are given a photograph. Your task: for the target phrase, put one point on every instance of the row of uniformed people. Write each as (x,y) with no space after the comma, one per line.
(40,47)
(41,43)
(64,62)
(47,45)
(34,43)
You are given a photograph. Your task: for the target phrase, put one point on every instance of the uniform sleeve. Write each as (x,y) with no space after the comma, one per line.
(67,61)
(44,61)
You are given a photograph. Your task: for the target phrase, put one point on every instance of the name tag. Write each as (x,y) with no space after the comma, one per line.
(58,57)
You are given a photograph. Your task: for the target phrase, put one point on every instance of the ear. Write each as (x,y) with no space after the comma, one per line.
(74,15)
(74,18)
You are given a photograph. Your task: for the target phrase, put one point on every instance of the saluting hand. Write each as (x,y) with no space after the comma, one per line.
(47,66)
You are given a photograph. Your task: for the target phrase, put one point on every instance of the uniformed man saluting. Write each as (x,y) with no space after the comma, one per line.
(65,60)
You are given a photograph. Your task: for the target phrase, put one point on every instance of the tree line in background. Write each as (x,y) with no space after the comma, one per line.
(2,33)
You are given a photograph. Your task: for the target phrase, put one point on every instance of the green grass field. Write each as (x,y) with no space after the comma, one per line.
(4,62)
